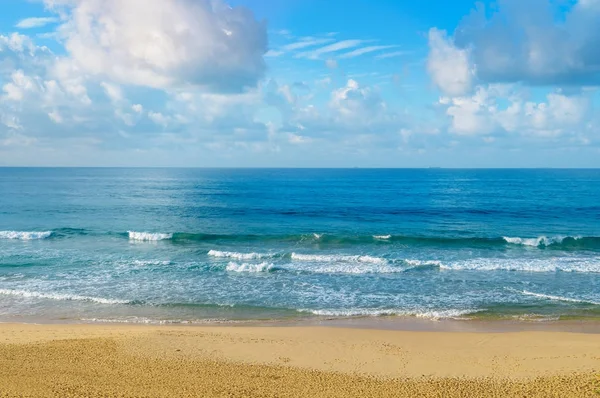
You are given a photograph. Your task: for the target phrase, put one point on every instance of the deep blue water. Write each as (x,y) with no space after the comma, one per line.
(195,244)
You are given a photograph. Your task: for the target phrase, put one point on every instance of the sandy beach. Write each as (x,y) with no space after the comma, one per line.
(166,361)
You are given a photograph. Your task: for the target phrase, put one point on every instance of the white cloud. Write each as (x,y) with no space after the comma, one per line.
(19,86)
(55,117)
(137,108)
(17,43)
(524,41)
(482,114)
(274,53)
(340,45)
(392,54)
(113,91)
(159,118)
(331,64)
(162,44)
(29,23)
(306,42)
(364,50)
(448,66)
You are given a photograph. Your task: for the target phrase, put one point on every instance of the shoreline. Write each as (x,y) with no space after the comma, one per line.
(176,360)
(385,323)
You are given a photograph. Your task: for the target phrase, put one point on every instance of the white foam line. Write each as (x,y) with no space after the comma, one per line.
(338,258)
(25,235)
(239,256)
(426,314)
(58,296)
(555,298)
(246,267)
(382,237)
(539,241)
(148,236)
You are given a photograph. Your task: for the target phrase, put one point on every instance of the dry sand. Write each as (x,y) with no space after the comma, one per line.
(166,361)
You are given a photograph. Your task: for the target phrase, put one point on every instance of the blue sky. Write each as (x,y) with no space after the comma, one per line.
(299,83)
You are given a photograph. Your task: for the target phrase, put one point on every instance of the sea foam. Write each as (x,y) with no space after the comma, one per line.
(59,296)
(248,267)
(148,236)
(425,314)
(382,237)
(535,242)
(25,235)
(555,298)
(555,264)
(239,256)
(329,258)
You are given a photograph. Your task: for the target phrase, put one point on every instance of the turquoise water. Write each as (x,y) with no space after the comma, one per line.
(194,245)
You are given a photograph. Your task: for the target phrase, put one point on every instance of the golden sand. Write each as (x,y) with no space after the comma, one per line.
(149,361)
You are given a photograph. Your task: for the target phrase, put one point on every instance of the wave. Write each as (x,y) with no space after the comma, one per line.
(382,237)
(555,264)
(248,267)
(546,242)
(555,298)
(347,268)
(539,241)
(329,258)
(368,312)
(148,236)
(60,297)
(422,264)
(146,263)
(240,256)
(25,235)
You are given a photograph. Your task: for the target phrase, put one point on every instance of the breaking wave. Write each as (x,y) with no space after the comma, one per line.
(240,256)
(148,236)
(25,235)
(328,258)
(366,312)
(248,267)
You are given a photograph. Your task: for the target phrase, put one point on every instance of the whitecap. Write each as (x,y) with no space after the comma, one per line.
(555,264)
(382,237)
(148,236)
(25,235)
(338,258)
(239,256)
(423,263)
(248,267)
(535,242)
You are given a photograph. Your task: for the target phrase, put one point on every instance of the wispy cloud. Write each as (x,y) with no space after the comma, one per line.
(306,42)
(340,45)
(274,53)
(392,54)
(364,50)
(29,23)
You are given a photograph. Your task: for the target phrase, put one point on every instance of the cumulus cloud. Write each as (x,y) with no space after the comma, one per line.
(498,109)
(449,66)
(165,44)
(523,41)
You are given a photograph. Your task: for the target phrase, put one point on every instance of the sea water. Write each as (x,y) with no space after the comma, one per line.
(202,245)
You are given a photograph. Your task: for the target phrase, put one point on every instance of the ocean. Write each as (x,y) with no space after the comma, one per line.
(229,245)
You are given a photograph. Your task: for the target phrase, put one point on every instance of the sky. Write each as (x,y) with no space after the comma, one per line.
(300,83)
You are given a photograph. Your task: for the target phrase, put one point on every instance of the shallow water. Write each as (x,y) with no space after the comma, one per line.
(151,245)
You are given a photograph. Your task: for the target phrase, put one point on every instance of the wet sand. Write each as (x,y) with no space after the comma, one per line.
(169,361)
